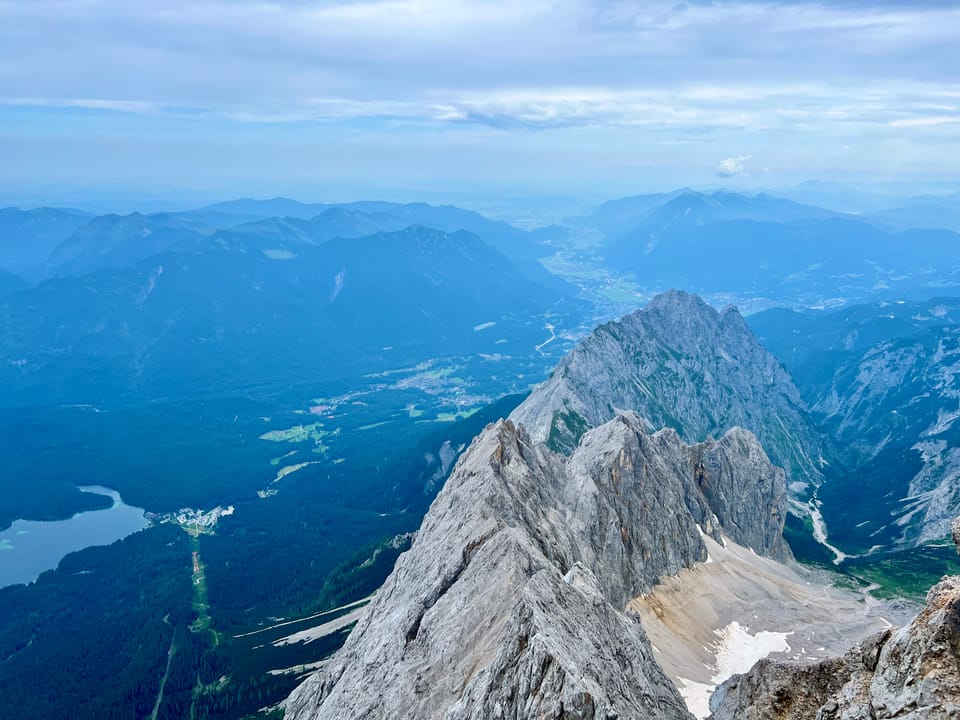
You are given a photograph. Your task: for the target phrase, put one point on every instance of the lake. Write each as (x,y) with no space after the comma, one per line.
(29,547)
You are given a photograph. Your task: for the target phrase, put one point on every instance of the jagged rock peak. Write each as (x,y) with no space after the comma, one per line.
(510,602)
(686,317)
(678,363)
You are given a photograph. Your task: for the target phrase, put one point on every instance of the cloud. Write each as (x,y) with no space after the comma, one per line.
(696,110)
(138,107)
(918,122)
(732,166)
(265,58)
(782,78)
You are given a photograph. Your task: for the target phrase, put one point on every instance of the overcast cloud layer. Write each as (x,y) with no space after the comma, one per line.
(268,95)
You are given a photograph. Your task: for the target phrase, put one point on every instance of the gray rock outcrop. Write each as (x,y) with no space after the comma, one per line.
(510,603)
(678,363)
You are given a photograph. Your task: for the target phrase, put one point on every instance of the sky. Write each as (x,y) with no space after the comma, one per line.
(328,100)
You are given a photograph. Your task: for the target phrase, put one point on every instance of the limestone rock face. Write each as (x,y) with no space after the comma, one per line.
(913,672)
(562,667)
(678,363)
(740,485)
(510,603)
(919,668)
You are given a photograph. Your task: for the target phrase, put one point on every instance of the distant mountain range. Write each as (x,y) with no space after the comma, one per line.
(511,241)
(233,309)
(756,245)
(769,247)
(49,242)
(921,212)
(233,279)
(662,213)
(115,241)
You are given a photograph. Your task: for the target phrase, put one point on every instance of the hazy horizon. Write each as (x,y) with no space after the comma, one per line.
(534,209)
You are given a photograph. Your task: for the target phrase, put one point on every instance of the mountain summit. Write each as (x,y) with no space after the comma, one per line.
(512,601)
(678,363)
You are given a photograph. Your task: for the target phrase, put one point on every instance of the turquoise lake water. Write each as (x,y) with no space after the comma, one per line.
(29,547)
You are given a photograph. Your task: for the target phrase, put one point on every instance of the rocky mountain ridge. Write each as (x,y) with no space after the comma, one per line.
(511,601)
(523,592)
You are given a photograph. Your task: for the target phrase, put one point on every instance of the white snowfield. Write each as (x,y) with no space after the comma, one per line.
(737,652)
(719,618)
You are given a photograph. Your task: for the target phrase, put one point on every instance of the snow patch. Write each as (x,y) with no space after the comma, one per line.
(736,651)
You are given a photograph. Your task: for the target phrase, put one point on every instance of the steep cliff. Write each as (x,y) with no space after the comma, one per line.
(612,487)
(898,405)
